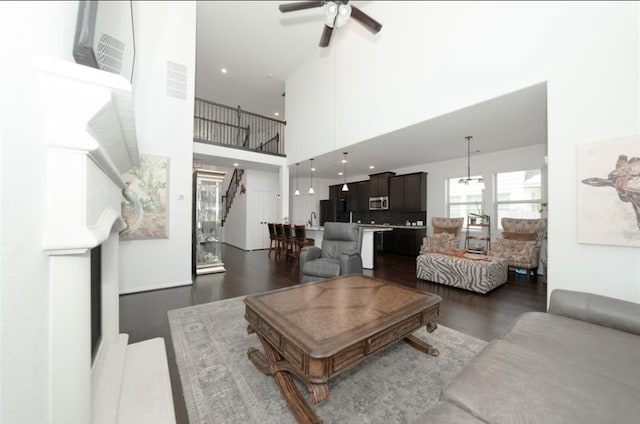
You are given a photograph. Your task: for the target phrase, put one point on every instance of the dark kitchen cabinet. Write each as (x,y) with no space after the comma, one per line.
(331,210)
(351,197)
(336,193)
(363,196)
(403,241)
(379,184)
(357,198)
(396,193)
(408,192)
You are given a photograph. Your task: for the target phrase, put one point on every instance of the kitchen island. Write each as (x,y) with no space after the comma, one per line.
(368,245)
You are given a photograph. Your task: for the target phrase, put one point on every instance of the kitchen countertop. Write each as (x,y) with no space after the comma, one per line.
(377,227)
(416,227)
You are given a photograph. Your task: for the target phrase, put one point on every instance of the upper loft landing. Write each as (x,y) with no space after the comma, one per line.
(222,125)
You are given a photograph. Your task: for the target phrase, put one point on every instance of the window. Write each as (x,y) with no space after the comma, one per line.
(518,194)
(463,199)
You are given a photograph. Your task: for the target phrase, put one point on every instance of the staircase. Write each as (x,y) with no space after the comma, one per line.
(236,178)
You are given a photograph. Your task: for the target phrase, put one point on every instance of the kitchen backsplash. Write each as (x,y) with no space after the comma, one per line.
(385,217)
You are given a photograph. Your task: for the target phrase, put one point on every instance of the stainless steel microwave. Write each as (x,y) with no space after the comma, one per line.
(378,203)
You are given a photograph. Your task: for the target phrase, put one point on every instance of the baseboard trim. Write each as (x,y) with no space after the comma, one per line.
(156,287)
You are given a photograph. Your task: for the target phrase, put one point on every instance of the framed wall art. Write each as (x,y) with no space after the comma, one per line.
(608,192)
(145,201)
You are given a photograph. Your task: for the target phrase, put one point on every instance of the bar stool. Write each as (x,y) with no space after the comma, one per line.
(280,238)
(301,240)
(273,239)
(289,243)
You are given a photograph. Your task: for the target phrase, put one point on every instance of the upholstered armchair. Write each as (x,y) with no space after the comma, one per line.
(520,243)
(339,255)
(446,235)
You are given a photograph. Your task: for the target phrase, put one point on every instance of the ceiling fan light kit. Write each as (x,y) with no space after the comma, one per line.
(336,15)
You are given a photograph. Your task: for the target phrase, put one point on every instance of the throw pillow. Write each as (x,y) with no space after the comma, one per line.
(449,230)
(438,243)
(520,236)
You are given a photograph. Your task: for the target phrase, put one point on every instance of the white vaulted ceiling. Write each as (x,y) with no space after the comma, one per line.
(260,47)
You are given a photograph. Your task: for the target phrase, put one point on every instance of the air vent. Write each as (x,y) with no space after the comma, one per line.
(176,80)
(109,53)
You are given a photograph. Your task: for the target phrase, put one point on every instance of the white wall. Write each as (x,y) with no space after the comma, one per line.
(593,96)
(245,226)
(487,165)
(305,203)
(28,29)
(164,31)
(432,58)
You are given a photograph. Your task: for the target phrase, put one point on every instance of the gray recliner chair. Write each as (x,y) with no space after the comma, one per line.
(340,253)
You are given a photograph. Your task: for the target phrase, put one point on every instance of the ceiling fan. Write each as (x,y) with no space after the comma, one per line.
(336,15)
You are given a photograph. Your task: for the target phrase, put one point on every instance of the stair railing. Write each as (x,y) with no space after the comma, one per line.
(230,194)
(214,123)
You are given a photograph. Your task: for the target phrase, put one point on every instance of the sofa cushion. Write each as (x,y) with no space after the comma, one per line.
(506,383)
(604,351)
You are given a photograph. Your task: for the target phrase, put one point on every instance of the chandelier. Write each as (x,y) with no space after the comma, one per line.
(468,181)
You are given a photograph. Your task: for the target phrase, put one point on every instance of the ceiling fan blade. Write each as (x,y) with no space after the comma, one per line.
(301,5)
(366,20)
(326,36)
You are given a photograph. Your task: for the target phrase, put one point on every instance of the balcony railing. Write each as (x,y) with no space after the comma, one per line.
(215,123)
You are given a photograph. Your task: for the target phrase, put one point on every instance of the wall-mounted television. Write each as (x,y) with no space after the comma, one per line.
(104,37)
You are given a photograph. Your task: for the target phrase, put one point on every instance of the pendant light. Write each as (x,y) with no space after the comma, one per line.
(345,187)
(297,192)
(311,191)
(469,180)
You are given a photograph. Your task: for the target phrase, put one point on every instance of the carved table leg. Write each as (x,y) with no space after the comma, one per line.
(421,345)
(275,364)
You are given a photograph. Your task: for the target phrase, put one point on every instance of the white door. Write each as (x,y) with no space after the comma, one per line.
(262,210)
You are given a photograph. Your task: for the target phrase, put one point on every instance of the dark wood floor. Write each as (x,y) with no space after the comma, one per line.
(144,315)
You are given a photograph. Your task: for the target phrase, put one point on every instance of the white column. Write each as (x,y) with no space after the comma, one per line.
(283,187)
(70,343)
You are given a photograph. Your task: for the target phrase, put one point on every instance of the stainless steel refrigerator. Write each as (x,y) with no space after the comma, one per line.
(332,211)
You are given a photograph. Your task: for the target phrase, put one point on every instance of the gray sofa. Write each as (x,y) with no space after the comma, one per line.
(578,363)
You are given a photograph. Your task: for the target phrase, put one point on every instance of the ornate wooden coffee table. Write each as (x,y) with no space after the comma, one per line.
(318,330)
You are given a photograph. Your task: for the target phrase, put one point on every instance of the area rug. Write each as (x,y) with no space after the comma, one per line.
(221,385)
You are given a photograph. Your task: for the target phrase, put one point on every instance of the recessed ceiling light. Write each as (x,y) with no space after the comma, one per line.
(313,169)
(236,164)
(276,114)
(223,70)
(372,167)
(340,173)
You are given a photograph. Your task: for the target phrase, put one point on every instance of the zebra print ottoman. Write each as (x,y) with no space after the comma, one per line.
(468,274)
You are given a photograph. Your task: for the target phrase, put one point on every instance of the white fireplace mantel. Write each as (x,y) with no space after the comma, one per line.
(90,139)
